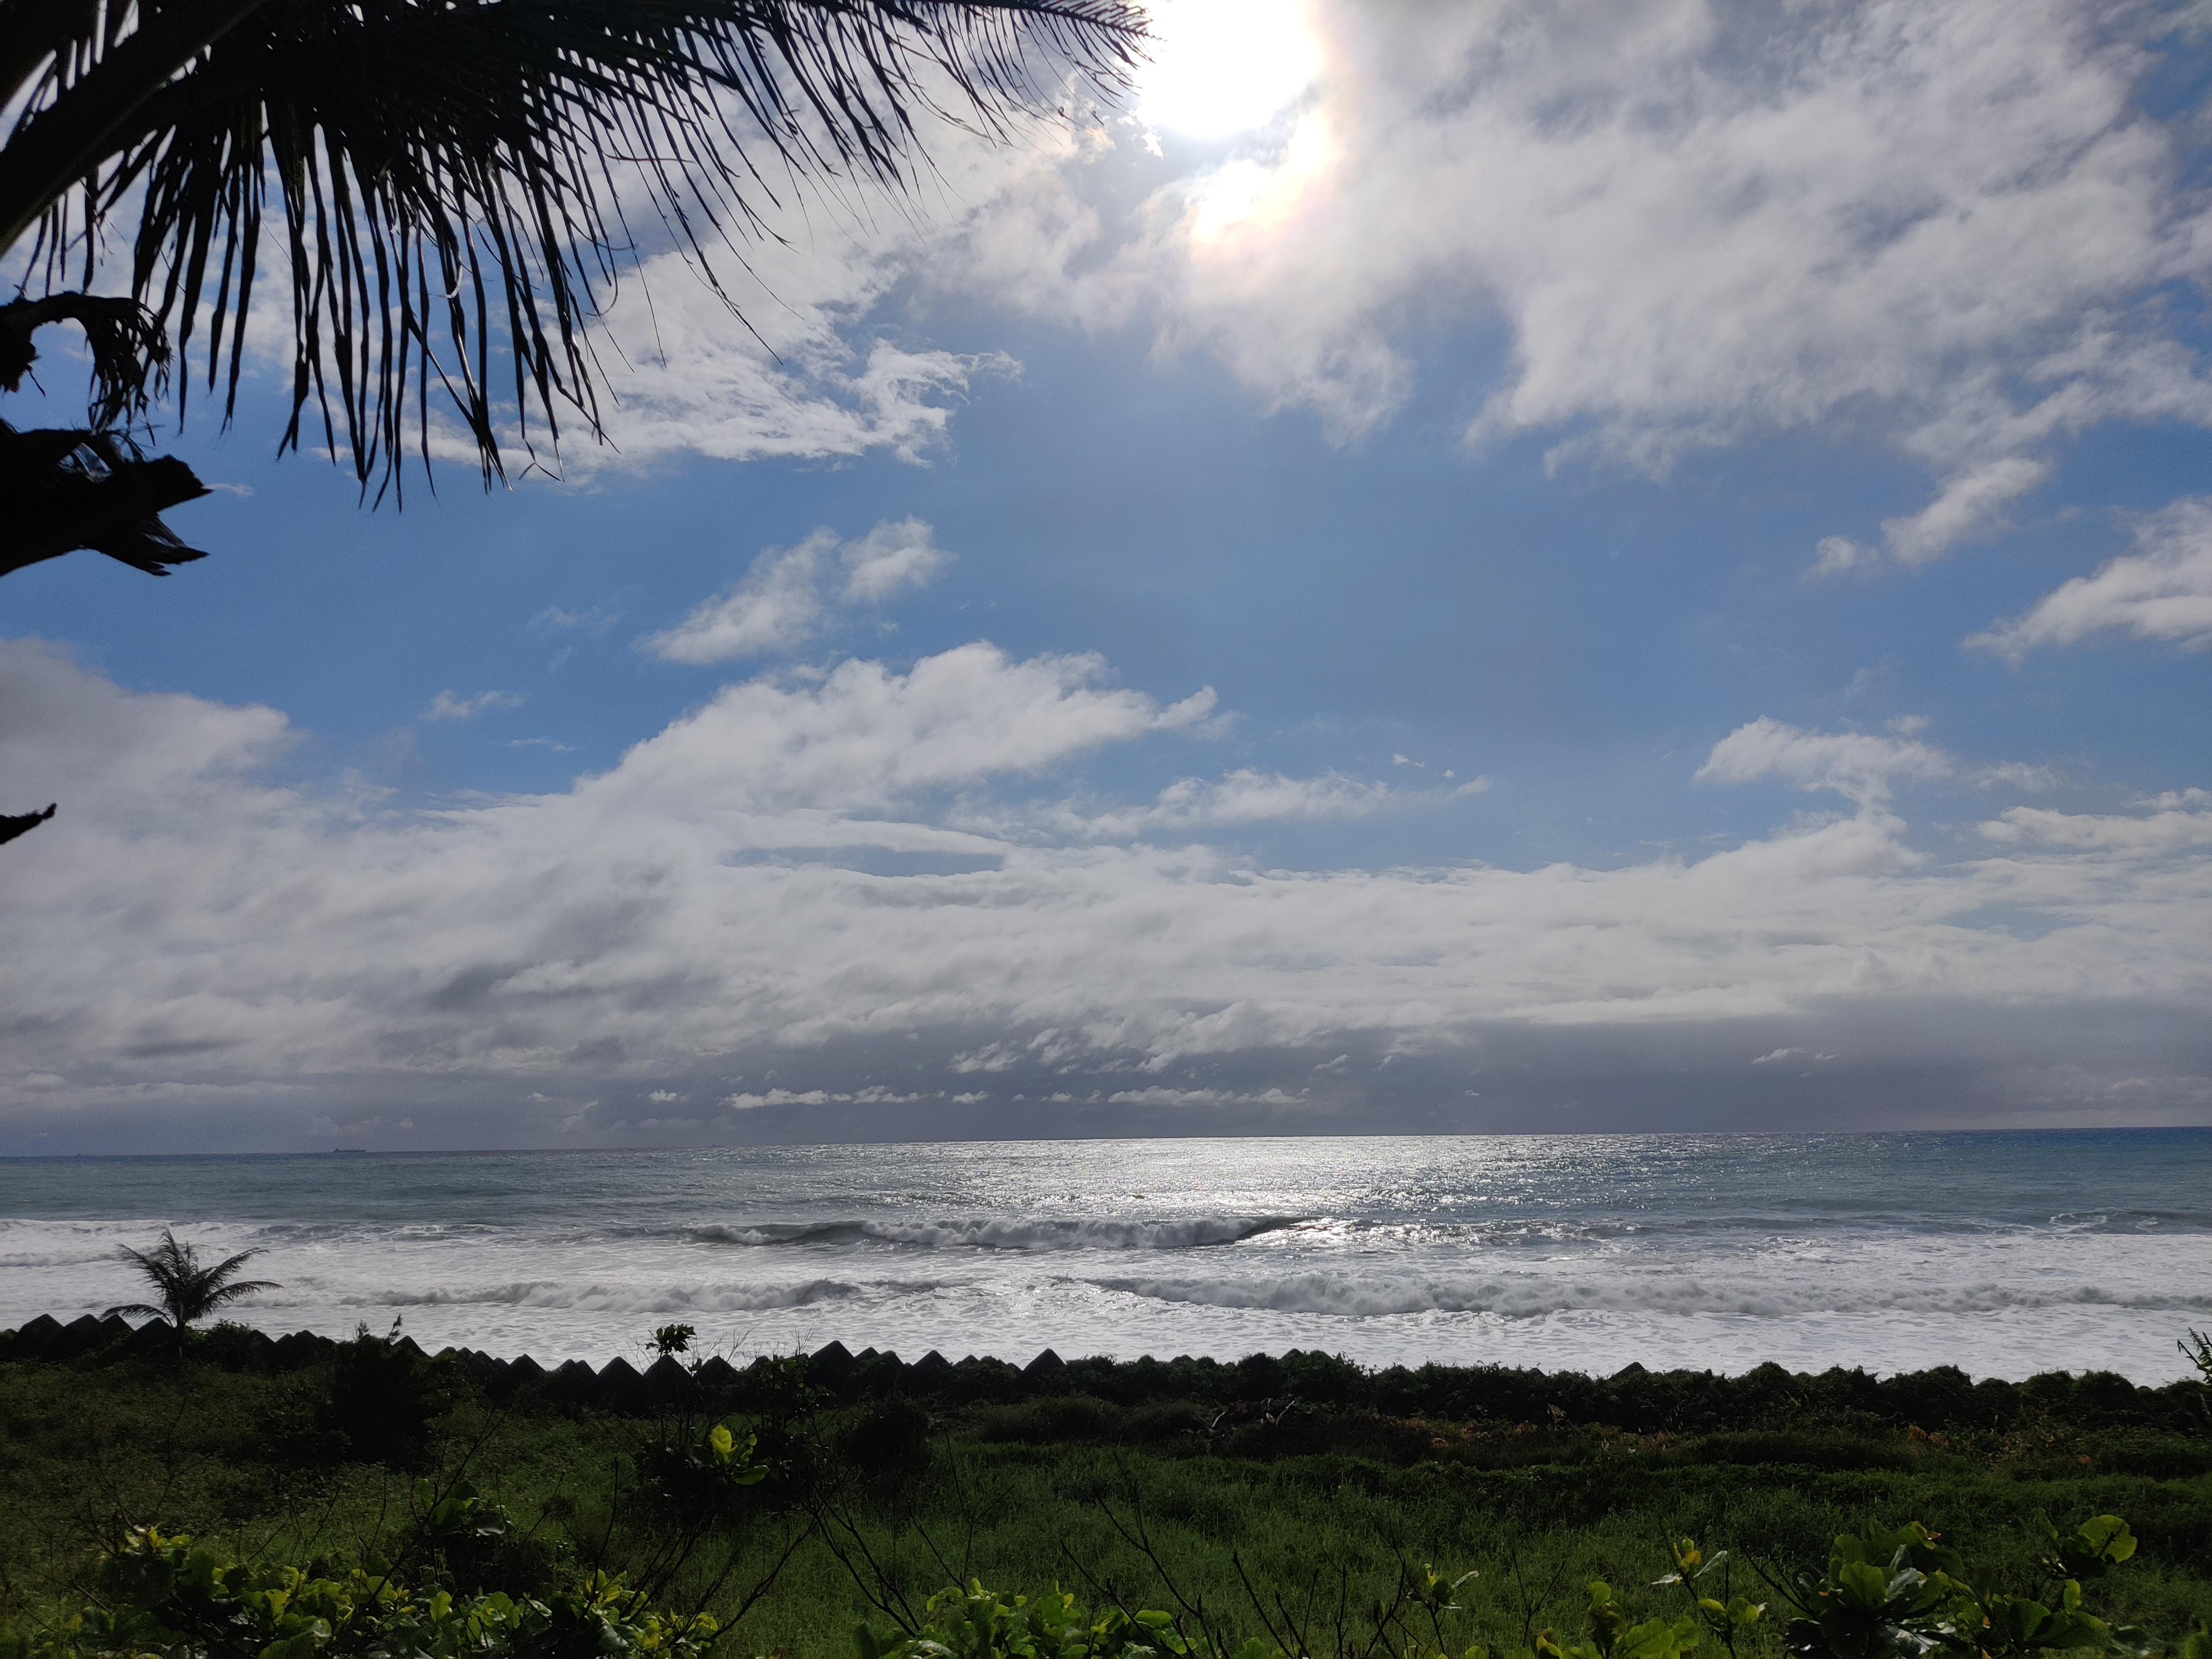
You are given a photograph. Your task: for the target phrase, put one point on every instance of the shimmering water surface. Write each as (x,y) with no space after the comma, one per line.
(2006,1254)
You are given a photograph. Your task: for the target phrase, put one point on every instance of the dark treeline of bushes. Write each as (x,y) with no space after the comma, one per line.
(1256,1391)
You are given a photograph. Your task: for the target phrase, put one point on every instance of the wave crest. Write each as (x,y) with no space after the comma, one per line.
(1334,1294)
(636,1299)
(1005,1233)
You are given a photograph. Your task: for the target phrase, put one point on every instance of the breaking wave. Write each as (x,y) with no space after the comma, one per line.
(1007,1233)
(1335,1294)
(639,1298)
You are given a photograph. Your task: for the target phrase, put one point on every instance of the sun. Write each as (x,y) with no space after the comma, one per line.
(1223,67)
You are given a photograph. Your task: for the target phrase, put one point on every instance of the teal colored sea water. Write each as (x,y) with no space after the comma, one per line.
(2005,1253)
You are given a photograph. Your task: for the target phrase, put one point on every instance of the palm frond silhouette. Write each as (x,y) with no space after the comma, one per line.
(189,1290)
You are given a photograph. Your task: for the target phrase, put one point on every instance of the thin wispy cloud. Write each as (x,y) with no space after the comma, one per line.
(789,594)
(451,706)
(2160,594)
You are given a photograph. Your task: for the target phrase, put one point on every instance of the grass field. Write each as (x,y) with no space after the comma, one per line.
(875,1498)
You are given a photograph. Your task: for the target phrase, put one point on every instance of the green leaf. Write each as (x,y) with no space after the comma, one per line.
(2107,1537)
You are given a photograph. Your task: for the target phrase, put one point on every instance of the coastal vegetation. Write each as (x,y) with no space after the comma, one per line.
(285,1499)
(187,1289)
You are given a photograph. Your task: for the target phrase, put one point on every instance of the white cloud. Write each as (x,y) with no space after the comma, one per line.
(2161,592)
(203,935)
(1159,1097)
(1244,796)
(773,607)
(1856,765)
(890,559)
(1838,554)
(780,602)
(2186,823)
(1947,226)
(865,736)
(1970,504)
(754,1102)
(817,380)
(451,706)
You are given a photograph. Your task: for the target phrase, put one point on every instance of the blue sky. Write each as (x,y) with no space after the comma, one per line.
(1611,566)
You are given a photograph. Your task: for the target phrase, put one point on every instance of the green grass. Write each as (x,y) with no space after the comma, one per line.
(1322,1509)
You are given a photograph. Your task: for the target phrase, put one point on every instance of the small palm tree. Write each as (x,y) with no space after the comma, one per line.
(188,1291)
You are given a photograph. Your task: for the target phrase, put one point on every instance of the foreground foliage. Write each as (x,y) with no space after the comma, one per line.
(188,1289)
(377,1502)
(1886,1592)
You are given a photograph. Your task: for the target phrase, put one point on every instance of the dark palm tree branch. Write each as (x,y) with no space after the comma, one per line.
(135,1311)
(451,175)
(67,139)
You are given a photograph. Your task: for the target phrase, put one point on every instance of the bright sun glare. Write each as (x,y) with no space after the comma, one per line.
(1221,67)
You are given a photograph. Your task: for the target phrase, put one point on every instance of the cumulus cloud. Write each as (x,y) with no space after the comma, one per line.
(2161,592)
(785,598)
(1241,797)
(812,372)
(865,735)
(1954,227)
(772,607)
(1244,797)
(451,706)
(1945,226)
(1857,765)
(2180,821)
(891,559)
(195,934)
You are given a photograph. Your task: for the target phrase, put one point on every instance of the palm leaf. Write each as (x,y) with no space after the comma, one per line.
(448,179)
(135,1311)
(189,1290)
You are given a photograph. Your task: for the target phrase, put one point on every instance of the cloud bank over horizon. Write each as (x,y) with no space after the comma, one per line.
(868,901)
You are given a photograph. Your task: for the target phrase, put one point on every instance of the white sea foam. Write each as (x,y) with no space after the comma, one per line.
(1375,1296)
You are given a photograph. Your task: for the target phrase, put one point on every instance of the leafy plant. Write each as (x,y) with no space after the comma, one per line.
(162,1593)
(190,1290)
(1731,1618)
(1903,1592)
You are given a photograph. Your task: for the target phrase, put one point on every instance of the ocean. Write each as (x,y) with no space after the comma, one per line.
(2005,1253)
